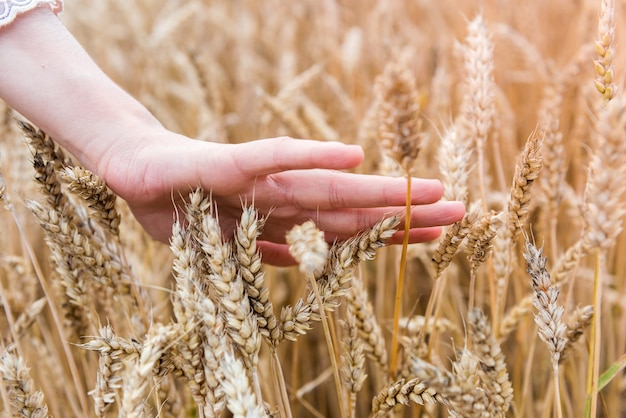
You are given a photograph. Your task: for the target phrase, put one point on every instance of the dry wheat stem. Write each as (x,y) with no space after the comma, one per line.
(309,248)
(593,369)
(397,311)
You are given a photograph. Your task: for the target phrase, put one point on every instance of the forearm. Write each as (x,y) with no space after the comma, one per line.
(49,78)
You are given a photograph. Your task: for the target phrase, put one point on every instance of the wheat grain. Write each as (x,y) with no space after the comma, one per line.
(605,51)
(478,104)
(467,397)
(336,276)
(554,165)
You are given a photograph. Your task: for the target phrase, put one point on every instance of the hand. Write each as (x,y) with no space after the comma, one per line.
(114,136)
(296,180)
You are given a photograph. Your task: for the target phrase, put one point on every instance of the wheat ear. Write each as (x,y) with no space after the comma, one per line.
(402,392)
(97,195)
(187,291)
(24,400)
(603,212)
(140,371)
(352,362)
(478,105)
(240,397)
(398,109)
(580,320)
(333,282)
(449,244)
(497,383)
(605,52)
(369,330)
(549,314)
(114,351)
(309,248)
(249,258)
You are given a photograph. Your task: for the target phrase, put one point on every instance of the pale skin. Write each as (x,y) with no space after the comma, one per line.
(49,78)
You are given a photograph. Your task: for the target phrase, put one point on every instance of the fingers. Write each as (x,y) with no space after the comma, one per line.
(269,156)
(275,254)
(342,224)
(326,189)
(416,235)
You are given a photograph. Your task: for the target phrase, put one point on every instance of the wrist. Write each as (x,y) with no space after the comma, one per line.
(47,76)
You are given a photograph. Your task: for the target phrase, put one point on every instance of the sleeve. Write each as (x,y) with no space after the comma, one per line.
(9,9)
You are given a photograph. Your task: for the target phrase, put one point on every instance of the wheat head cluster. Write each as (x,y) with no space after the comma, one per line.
(517,310)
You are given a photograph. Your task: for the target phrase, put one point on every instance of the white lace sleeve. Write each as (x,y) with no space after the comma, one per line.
(9,9)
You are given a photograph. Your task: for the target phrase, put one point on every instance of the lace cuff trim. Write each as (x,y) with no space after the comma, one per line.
(9,9)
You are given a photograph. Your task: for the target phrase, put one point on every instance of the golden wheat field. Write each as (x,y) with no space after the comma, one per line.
(518,310)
